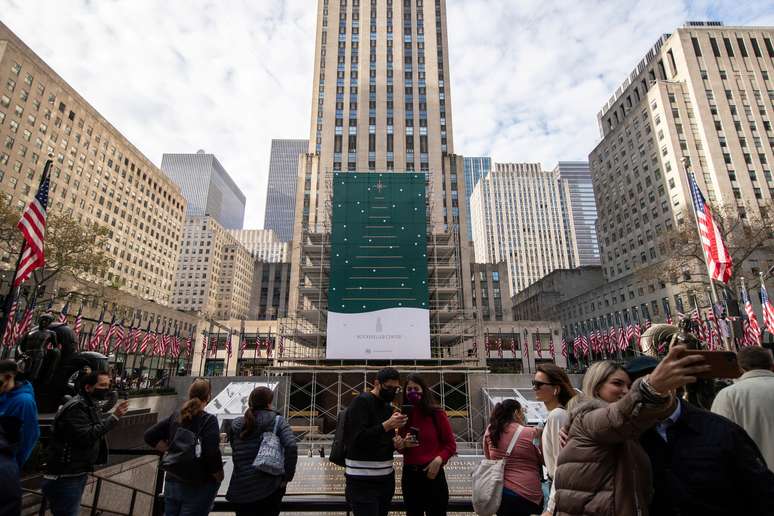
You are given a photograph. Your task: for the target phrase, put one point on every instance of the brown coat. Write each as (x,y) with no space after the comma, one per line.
(603,470)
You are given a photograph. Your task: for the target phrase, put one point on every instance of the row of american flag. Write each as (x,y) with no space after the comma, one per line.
(708,327)
(265,345)
(497,344)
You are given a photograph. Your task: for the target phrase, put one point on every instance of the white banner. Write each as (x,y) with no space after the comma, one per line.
(392,333)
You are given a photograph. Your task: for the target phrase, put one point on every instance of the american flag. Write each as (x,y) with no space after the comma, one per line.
(715,342)
(623,339)
(585,344)
(578,345)
(111,331)
(146,340)
(228,345)
(281,349)
(188,343)
(564,347)
(242,343)
(120,334)
(647,324)
(551,349)
(525,349)
(33,227)
(9,329)
(258,346)
(212,340)
(538,345)
(269,346)
(768,309)
(612,339)
(78,325)
(63,313)
(96,339)
(26,321)
(752,331)
(513,347)
(715,251)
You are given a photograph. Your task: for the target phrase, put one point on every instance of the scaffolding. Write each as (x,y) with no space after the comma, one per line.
(452,328)
(320,388)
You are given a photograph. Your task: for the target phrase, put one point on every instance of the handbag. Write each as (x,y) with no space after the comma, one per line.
(270,458)
(488,480)
(182,457)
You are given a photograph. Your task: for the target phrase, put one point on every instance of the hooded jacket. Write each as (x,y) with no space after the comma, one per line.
(248,485)
(603,470)
(20,403)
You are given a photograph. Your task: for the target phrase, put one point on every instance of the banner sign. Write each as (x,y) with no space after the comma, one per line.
(378,306)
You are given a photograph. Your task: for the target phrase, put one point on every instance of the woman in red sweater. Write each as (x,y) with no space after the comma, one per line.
(427,443)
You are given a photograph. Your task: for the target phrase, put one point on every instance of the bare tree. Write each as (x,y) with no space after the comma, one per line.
(683,256)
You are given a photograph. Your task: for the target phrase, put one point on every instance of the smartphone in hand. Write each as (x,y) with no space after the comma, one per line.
(723,364)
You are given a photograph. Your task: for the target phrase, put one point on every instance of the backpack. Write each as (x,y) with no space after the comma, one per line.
(182,457)
(338,454)
(488,481)
(270,458)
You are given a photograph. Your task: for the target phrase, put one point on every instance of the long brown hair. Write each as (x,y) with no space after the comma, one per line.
(260,399)
(558,377)
(198,396)
(427,403)
(501,417)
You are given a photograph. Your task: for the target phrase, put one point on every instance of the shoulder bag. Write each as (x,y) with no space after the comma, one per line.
(488,480)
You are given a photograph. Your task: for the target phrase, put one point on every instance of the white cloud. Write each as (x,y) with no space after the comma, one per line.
(528,76)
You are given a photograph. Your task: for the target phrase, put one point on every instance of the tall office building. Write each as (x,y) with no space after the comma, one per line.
(579,209)
(518,218)
(702,94)
(475,169)
(381,103)
(281,191)
(381,98)
(98,176)
(263,244)
(207,187)
(215,272)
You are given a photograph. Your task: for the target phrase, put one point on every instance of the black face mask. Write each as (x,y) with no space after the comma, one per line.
(387,394)
(100,394)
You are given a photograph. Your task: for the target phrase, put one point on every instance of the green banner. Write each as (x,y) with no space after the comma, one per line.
(378,261)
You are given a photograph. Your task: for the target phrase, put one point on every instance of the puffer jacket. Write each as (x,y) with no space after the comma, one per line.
(603,470)
(247,484)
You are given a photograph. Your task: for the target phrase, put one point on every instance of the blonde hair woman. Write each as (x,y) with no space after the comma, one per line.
(603,469)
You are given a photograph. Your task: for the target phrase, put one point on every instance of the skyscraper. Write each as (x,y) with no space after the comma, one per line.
(475,169)
(579,208)
(281,191)
(207,187)
(381,104)
(700,96)
(518,218)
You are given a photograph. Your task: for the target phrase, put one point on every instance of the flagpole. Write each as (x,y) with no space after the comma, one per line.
(14,290)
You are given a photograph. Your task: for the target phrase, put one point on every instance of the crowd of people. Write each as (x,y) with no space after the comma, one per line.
(627,443)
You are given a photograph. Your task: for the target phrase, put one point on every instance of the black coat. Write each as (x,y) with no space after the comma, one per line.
(78,437)
(709,466)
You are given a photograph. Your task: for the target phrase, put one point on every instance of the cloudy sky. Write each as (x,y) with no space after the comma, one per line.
(528,76)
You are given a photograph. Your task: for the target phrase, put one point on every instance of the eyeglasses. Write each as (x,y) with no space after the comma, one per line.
(537,385)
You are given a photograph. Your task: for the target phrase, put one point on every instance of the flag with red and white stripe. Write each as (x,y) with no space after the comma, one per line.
(26,322)
(78,324)
(33,227)
(63,313)
(768,310)
(10,326)
(752,330)
(715,251)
